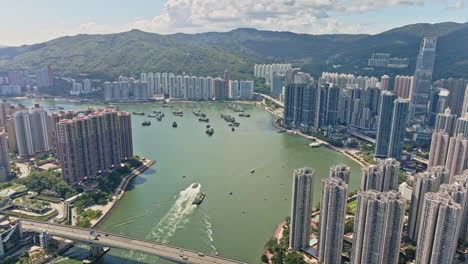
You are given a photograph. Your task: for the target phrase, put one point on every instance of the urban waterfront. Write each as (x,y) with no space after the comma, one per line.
(158,204)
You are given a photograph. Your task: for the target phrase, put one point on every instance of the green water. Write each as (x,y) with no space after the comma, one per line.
(158,205)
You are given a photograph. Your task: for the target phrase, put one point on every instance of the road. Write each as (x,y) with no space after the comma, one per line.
(104,239)
(272,99)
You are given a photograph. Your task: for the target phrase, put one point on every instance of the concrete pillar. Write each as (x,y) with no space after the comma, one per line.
(96,251)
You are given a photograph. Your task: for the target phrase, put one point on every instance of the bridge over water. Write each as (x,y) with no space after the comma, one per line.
(103,239)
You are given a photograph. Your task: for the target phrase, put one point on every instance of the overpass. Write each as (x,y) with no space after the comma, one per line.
(98,240)
(269,98)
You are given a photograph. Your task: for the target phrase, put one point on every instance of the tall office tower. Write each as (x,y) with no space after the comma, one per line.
(438,102)
(459,193)
(446,122)
(277,85)
(382,177)
(126,142)
(439,147)
(40,129)
(425,182)
(45,77)
(227,78)
(4,158)
(423,79)
(321,97)
(10,128)
(464,109)
(457,155)
(398,126)
(403,86)
(246,90)
(220,92)
(461,126)
(333,96)
(301,104)
(4,112)
(379,213)
(341,171)
(384,83)
(384,128)
(301,208)
(457,88)
(332,220)
(24,138)
(437,239)
(93,143)
(234,89)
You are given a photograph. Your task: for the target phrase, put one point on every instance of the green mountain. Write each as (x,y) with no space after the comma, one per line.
(211,53)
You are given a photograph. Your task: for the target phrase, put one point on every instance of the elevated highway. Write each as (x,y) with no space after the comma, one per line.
(104,239)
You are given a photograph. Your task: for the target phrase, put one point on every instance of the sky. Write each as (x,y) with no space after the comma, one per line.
(35,21)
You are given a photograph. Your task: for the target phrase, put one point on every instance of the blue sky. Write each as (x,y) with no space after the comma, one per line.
(34,21)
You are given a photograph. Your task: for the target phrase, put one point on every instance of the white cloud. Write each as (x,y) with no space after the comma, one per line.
(306,16)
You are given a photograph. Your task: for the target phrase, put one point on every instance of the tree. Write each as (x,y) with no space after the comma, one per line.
(410,252)
(265,258)
(294,258)
(349,226)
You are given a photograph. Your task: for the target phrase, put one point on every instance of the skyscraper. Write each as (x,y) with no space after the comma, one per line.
(24,138)
(461,126)
(301,104)
(45,77)
(384,83)
(246,89)
(397,134)
(459,193)
(424,183)
(423,79)
(457,88)
(457,155)
(93,143)
(234,89)
(332,220)
(403,86)
(439,148)
(4,158)
(385,122)
(382,177)
(438,102)
(277,85)
(301,208)
(462,180)
(445,122)
(378,227)
(437,239)
(341,171)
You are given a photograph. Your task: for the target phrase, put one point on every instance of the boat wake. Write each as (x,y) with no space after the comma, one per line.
(131,220)
(209,233)
(177,216)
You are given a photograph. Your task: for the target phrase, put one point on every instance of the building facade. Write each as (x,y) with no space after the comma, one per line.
(301,208)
